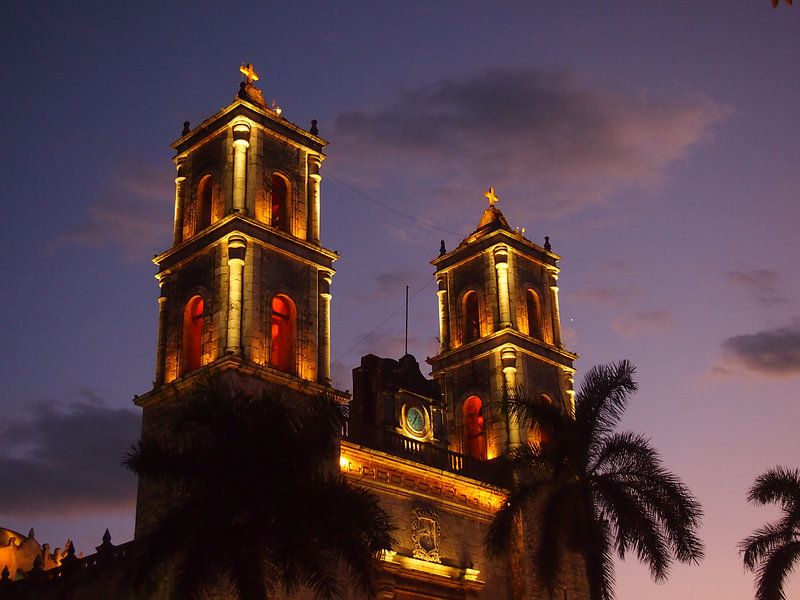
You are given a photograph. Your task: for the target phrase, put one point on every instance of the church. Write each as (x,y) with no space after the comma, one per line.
(246,292)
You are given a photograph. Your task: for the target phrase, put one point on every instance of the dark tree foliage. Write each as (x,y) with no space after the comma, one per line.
(597,492)
(258,502)
(773,551)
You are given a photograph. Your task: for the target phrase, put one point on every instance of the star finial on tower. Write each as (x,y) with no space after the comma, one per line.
(491,196)
(249,72)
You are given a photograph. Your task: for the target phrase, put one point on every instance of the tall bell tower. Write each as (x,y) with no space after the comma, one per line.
(245,287)
(499,330)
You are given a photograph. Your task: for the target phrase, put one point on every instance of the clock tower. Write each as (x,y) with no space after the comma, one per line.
(499,331)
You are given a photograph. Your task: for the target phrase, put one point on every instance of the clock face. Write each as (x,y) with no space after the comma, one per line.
(415,420)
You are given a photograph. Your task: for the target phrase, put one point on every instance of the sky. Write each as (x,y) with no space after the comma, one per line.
(655,143)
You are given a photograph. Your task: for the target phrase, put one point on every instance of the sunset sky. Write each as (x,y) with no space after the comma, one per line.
(656,143)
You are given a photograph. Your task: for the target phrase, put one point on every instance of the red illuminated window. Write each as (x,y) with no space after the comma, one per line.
(282,345)
(534,314)
(474,434)
(204,198)
(192,354)
(280,203)
(472,323)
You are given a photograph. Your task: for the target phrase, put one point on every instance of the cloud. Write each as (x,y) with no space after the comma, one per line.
(132,214)
(561,141)
(599,295)
(66,459)
(768,352)
(765,285)
(643,323)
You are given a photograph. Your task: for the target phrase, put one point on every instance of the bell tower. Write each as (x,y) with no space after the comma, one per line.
(246,275)
(499,330)
(245,286)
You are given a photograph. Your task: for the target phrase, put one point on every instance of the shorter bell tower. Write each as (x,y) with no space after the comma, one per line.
(499,331)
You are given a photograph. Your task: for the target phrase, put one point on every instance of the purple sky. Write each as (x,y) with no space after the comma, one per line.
(655,143)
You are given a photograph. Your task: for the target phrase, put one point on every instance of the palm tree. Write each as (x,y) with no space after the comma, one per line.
(774,549)
(256,501)
(594,492)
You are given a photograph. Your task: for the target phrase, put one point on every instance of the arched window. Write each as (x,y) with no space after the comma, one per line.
(534,307)
(279,210)
(192,348)
(205,193)
(282,334)
(472,319)
(474,434)
(536,435)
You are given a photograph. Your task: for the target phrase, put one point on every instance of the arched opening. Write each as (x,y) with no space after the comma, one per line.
(279,203)
(282,334)
(536,435)
(205,194)
(192,349)
(534,308)
(474,433)
(472,319)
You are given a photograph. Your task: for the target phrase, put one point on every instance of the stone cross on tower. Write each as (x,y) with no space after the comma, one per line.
(491,196)
(249,72)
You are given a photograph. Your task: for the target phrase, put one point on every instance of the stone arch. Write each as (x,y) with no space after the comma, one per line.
(470,316)
(283,333)
(536,435)
(280,194)
(533,306)
(192,334)
(473,433)
(204,203)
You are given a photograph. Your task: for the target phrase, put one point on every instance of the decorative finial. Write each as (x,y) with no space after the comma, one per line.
(547,245)
(493,199)
(442,249)
(313,130)
(186,128)
(249,72)
(277,109)
(31,534)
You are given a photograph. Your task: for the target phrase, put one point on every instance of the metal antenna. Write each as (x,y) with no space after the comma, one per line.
(406,320)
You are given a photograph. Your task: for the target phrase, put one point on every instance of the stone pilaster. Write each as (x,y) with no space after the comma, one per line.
(236,253)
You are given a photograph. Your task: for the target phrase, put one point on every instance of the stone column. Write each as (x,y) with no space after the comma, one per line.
(569,389)
(444,314)
(236,252)
(241,142)
(314,180)
(501,265)
(161,340)
(508,359)
(553,277)
(180,201)
(324,332)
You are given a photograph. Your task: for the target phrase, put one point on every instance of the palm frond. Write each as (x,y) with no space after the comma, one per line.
(774,570)
(764,540)
(779,485)
(602,398)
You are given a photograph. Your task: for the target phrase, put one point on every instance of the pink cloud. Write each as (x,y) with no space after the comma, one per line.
(551,139)
(643,323)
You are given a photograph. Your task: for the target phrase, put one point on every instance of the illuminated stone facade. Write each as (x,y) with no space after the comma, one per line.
(245,293)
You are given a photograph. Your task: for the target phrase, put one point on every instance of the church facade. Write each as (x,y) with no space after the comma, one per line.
(246,292)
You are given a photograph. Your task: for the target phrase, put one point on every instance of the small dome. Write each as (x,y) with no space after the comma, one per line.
(492,217)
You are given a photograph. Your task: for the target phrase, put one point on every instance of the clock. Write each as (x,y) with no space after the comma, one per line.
(415,420)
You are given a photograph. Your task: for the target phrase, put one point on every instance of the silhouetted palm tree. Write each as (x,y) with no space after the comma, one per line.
(774,549)
(256,501)
(594,491)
